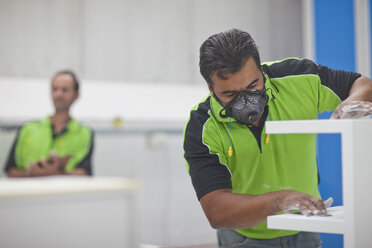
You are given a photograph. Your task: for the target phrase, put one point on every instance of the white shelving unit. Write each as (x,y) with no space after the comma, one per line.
(325,224)
(354,219)
(65,211)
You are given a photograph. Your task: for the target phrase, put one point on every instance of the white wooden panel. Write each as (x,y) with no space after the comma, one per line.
(362,169)
(356,136)
(130,40)
(285,29)
(25,99)
(38,37)
(162,46)
(107,42)
(187,221)
(325,224)
(213,16)
(362,20)
(68,212)
(308,32)
(308,126)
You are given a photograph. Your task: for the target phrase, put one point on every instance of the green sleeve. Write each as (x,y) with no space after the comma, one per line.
(327,99)
(81,151)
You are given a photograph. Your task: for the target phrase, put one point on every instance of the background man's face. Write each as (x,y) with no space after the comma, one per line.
(63,92)
(249,78)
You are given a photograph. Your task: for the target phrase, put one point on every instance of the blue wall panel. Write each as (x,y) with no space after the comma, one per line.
(370,35)
(335,48)
(334,33)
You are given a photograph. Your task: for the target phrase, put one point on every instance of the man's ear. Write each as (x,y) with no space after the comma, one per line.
(77,94)
(210,87)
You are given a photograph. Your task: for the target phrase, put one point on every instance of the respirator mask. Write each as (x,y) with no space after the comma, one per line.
(246,107)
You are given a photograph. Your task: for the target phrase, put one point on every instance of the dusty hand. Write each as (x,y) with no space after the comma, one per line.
(352,110)
(43,168)
(328,202)
(306,204)
(51,166)
(62,161)
(33,169)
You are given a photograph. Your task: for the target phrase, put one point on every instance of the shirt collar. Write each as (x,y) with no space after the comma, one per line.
(70,125)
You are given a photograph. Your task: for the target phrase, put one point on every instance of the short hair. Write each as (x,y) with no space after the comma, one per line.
(226,52)
(73,75)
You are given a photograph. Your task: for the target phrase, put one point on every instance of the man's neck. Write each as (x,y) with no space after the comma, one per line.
(256,123)
(59,121)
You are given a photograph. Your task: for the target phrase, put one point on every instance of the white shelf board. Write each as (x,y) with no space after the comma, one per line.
(308,126)
(298,222)
(56,185)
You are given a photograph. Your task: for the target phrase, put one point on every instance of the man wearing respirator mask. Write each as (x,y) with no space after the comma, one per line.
(240,174)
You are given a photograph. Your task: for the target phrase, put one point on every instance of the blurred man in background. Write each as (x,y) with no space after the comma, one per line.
(56,145)
(240,174)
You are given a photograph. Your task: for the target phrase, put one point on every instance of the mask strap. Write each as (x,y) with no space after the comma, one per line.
(222,104)
(222,115)
(275,87)
(218,99)
(230,152)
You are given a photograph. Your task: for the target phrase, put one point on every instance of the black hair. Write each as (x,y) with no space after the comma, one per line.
(73,75)
(226,52)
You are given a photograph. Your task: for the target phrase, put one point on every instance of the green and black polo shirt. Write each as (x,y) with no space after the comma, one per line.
(35,140)
(299,89)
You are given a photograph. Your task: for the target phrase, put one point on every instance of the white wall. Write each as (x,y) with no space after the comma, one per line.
(136,40)
(138,60)
(24,99)
(147,147)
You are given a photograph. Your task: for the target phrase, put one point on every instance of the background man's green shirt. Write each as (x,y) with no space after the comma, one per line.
(36,140)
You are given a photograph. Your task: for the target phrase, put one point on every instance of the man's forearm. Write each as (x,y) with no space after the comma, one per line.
(360,94)
(361,90)
(228,210)
(236,211)
(15,172)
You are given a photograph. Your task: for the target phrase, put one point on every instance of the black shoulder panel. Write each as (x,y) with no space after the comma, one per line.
(339,81)
(206,171)
(290,67)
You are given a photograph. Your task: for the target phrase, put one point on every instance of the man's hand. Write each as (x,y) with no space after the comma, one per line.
(352,110)
(44,167)
(63,161)
(306,204)
(51,166)
(33,170)
(55,165)
(360,97)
